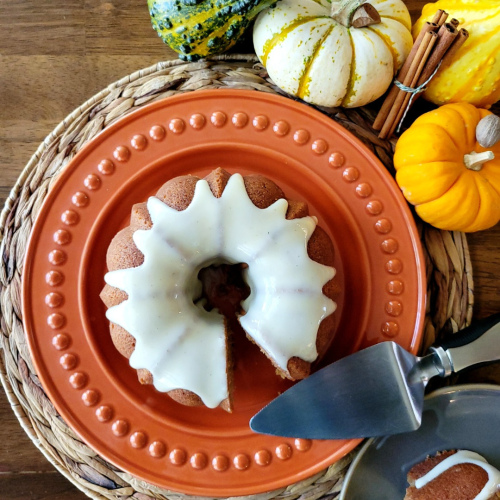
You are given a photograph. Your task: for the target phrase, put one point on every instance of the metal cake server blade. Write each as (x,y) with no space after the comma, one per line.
(377,391)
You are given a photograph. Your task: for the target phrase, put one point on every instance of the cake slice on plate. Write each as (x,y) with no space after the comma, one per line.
(453,475)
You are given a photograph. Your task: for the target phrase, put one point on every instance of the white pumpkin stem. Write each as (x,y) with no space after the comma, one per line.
(475,161)
(343,12)
(366,15)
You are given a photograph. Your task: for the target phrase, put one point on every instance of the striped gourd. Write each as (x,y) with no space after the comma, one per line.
(312,51)
(198,28)
(474,72)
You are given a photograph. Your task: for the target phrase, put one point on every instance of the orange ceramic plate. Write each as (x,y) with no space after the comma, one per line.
(196,450)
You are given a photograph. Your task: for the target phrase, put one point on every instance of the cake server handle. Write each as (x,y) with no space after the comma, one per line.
(476,344)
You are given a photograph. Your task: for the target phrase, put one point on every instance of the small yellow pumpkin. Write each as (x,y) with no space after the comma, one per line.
(442,169)
(474,73)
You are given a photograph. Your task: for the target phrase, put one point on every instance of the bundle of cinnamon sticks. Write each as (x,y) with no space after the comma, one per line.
(436,44)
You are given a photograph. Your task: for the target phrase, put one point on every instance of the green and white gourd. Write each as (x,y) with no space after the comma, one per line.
(311,50)
(200,28)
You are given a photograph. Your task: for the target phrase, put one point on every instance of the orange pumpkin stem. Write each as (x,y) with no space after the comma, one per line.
(475,161)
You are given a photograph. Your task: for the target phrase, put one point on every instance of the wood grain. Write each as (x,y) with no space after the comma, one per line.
(54,55)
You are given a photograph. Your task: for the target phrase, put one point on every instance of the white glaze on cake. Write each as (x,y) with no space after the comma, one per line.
(463,457)
(180,343)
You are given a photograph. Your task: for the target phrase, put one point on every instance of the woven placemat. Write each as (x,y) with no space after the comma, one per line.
(449,272)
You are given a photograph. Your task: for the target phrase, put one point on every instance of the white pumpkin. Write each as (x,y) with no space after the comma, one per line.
(326,61)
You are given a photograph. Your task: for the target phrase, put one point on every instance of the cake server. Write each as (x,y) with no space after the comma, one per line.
(377,391)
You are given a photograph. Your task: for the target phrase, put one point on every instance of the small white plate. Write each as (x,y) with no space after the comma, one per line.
(459,417)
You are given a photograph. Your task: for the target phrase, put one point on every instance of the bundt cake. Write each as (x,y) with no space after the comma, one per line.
(164,319)
(453,475)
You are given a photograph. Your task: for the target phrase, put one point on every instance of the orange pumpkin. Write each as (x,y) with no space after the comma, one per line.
(451,179)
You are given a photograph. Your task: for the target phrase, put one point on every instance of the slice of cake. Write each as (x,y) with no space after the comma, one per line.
(453,475)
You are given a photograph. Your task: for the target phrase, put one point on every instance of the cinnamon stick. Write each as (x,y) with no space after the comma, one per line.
(448,37)
(442,17)
(447,34)
(460,39)
(391,96)
(454,22)
(409,78)
(438,16)
(413,84)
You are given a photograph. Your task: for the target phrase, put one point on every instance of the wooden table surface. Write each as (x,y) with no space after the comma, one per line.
(54,55)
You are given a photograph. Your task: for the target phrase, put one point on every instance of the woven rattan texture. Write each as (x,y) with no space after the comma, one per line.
(449,274)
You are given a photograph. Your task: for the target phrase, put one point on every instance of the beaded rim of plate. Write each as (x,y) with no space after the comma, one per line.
(450,293)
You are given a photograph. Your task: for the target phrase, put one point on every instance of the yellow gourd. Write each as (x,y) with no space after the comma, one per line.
(474,73)
(442,169)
